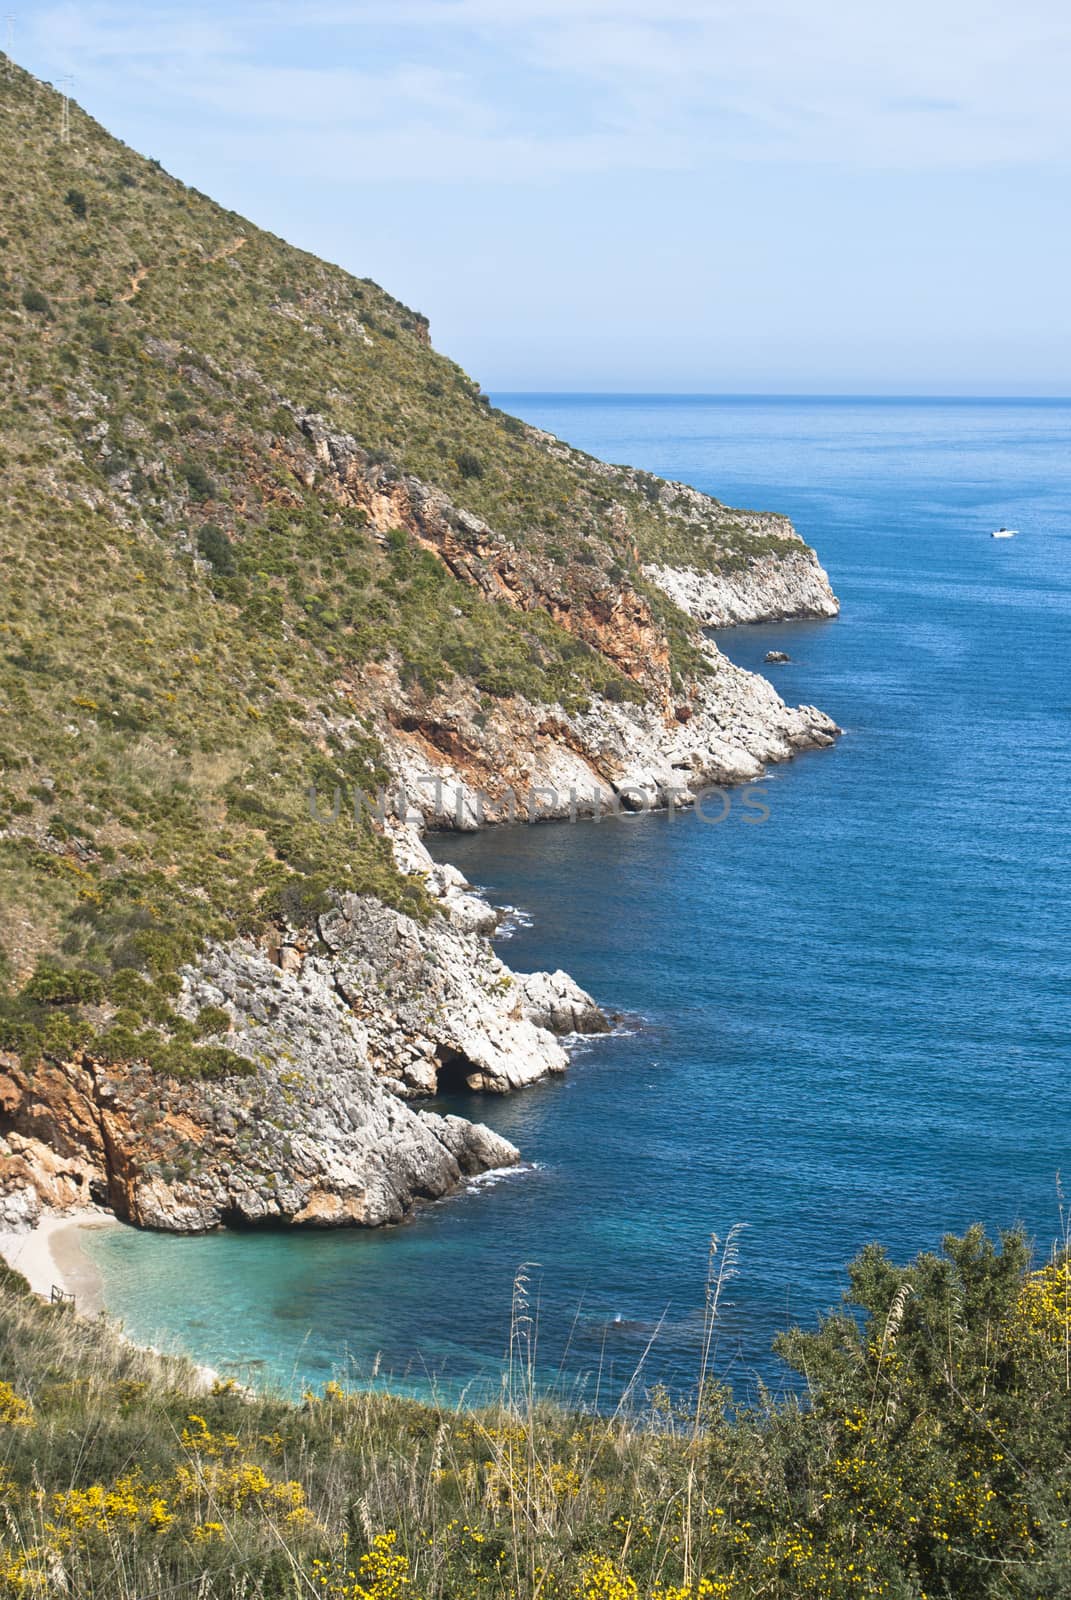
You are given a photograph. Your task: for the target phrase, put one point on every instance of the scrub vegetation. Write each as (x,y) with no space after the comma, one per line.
(926,1454)
(186,617)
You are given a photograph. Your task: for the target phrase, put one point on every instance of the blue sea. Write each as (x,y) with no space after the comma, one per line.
(850,1023)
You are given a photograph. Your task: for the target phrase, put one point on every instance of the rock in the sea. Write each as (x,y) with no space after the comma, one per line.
(555,1001)
(777,655)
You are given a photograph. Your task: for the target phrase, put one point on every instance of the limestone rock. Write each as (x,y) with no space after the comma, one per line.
(453,890)
(555,1001)
(434,996)
(770,587)
(312,1138)
(534,762)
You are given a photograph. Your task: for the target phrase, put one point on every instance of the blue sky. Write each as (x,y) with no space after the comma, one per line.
(678,195)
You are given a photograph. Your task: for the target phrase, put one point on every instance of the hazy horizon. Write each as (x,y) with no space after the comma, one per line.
(891,395)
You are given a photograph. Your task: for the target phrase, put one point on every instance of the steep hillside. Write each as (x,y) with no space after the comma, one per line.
(259,537)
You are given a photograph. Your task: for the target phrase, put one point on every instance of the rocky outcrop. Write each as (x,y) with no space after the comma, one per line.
(321,1133)
(746,566)
(440,1010)
(450,887)
(463,760)
(766,588)
(464,765)
(555,1001)
(313,1137)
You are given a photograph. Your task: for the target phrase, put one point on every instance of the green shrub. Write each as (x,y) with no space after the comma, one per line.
(53,986)
(212,1019)
(76,200)
(216,548)
(302,899)
(469,464)
(33,300)
(201,485)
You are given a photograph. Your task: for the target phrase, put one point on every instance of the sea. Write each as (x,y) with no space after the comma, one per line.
(848,1023)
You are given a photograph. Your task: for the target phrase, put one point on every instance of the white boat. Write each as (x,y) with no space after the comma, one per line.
(1004,533)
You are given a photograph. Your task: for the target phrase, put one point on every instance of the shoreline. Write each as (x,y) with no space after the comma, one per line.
(50,1255)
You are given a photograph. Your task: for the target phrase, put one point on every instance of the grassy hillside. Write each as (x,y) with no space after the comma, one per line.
(188,610)
(928,1459)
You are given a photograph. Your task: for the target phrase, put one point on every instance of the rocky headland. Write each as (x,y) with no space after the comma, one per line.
(269,559)
(344,1025)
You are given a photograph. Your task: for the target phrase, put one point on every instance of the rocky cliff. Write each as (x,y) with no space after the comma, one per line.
(320,1132)
(460,765)
(268,557)
(763,589)
(463,760)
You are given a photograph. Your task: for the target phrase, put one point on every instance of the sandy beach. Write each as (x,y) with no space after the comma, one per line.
(50,1255)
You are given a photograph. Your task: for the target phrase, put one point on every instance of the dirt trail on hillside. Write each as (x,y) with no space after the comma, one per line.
(227,250)
(135,284)
(139,276)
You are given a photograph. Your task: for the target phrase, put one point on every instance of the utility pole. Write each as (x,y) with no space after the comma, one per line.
(65,87)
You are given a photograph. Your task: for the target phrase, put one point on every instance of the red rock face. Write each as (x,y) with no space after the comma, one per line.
(612,619)
(51,1127)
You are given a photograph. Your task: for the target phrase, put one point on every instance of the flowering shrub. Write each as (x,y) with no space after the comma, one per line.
(14,1411)
(21,1572)
(381,1574)
(122,1507)
(930,1457)
(1045,1302)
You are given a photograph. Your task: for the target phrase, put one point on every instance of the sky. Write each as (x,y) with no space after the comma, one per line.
(685,196)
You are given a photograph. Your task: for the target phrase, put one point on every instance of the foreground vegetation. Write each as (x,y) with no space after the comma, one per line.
(927,1456)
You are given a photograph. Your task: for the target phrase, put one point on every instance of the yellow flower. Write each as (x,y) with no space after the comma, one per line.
(123,1506)
(602,1579)
(1045,1301)
(381,1574)
(14,1411)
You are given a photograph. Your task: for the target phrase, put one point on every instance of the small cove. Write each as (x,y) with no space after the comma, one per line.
(849,1023)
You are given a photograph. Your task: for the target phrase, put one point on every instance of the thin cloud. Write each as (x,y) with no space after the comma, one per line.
(524,90)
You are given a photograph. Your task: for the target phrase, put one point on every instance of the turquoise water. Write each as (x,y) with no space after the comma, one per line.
(849,1023)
